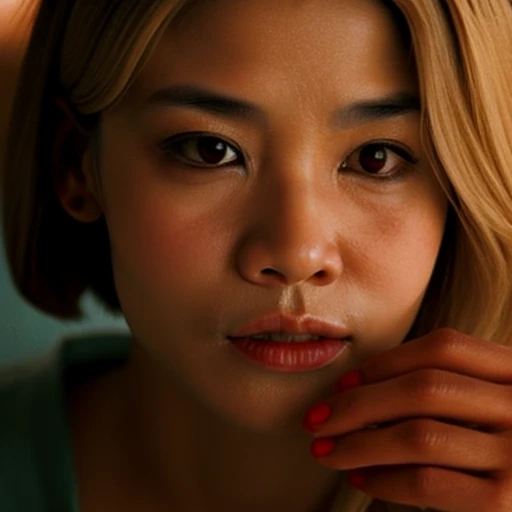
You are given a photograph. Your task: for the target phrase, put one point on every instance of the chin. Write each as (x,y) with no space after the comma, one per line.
(266,409)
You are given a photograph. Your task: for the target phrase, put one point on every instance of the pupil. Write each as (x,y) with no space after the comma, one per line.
(373,158)
(211,150)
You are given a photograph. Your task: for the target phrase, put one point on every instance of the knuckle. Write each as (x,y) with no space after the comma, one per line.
(427,385)
(425,481)
(447,332)
(446,344)
(501,450)
(501,500)
(420,436)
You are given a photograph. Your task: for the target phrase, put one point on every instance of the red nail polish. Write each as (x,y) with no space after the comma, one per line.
(350,380)
(355,479)
(318,414)
(322,446)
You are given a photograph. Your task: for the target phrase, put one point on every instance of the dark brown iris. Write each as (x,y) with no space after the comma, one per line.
(373,158)
(211,150)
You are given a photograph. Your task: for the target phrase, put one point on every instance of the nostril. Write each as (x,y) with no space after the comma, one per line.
(321,274)
(274,274)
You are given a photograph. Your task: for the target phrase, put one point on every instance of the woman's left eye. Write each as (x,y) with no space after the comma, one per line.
(202,150)
(380,160)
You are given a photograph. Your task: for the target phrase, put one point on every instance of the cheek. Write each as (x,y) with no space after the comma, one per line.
(408,246)
(400,234)
(165,245)
(407,265)
(159,240)
(394,263)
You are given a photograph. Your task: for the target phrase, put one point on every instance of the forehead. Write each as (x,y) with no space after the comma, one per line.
(258,45)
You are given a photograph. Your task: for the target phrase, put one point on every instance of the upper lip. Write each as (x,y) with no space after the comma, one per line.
(291,324)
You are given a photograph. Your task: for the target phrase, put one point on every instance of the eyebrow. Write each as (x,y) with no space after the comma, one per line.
(203,99)
(195,97)
(367,111)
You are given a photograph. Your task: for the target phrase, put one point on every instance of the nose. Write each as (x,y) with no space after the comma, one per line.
(292,240)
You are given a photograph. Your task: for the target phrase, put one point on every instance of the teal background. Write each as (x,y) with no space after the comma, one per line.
(25,331)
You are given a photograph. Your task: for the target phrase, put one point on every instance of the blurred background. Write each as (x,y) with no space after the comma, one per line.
(24,330)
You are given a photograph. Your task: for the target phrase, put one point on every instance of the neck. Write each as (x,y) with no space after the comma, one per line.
(198,461)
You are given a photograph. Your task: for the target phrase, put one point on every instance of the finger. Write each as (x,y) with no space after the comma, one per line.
(420,441)
(445,349)
(434,488)
(423,393)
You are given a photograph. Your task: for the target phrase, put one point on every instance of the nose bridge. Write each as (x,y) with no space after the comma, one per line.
(297,177)
(292,176)
(292,238)
(293,217)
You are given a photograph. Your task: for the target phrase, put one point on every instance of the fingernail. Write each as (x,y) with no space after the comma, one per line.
(350,380)
(355,479)
(322,447)
(318,414)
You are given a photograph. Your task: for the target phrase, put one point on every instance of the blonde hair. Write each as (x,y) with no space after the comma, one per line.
(90,52)
(15,23)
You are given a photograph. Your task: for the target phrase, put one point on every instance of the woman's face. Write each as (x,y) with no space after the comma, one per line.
(282,172)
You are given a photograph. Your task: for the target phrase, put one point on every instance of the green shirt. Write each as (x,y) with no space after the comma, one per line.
(36,464)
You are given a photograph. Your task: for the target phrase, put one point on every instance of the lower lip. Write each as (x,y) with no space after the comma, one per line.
(290,357)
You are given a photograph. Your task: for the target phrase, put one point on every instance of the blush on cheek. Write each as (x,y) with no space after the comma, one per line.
(162,248)
(400,254)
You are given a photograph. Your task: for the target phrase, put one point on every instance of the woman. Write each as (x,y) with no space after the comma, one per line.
(276,196)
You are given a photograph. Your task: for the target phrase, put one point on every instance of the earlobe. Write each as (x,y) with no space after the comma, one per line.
(73,171)
(92,180)
(76,192)
(76,199)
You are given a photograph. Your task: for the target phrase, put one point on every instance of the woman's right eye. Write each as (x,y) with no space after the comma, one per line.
(202,150)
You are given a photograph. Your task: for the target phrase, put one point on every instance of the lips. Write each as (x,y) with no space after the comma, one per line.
(286,343)
(295,328)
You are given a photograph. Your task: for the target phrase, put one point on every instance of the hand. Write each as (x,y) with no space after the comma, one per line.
(430,425)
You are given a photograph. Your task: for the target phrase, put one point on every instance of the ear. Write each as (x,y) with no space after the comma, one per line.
(75,179)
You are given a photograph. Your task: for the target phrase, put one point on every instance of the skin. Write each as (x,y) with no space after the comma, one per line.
(445,400)
(290,208)
(189,246)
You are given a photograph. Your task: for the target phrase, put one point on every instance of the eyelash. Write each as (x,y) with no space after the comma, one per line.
(408,161)
(170,147)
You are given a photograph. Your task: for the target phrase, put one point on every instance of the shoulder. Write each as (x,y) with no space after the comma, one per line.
(36,467)
(28,409)
(22,385)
